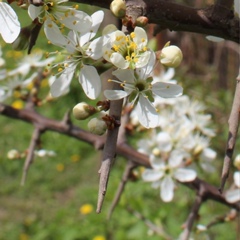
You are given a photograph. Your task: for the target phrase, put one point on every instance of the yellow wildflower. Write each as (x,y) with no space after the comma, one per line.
(99,237)
(75,158)
(86,209)
(18,104)
(60,167)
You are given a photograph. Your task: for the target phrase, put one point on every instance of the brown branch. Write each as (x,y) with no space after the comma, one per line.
(225,3)
(32,117)
(109,151)
(47,124)
(233,123)
(176,17)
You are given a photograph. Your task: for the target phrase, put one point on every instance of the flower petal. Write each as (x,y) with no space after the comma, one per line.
(151,175)
(90,81)
(94,49)
(208,154)
(124,75)
(78,21)
(118,60)
(214,39)
(236,178)
(140,38)
(115,94)
(185,175)
(233,196)
(61,85)
(34,11)
(167,90)
(145,71)
(147,114)
(167,189)
(164,141)
(72,42)
(97,18)
(53,34)
(157,163)
(176,158)
(143,59)
(9,24)
(168,75)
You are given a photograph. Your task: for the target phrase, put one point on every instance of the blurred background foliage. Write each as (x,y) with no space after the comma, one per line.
(59,197)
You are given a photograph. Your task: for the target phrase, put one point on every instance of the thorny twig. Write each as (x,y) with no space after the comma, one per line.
(109,151)
(32,117)
(192,216)
(157,229)
(230,216)
(30,153)
(129,167)
(233,123)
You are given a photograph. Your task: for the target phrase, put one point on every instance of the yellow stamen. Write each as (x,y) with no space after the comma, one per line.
(133,35)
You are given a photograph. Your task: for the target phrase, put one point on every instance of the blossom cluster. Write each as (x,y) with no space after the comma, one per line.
(132,60)
(179,145)
(19,81)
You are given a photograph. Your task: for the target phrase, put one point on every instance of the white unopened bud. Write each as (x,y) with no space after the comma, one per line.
(97,126)
(171,56)
(156,152)
(118,8)
(201,228)
(44,153)
(82,111)
(13,154)
(237,161)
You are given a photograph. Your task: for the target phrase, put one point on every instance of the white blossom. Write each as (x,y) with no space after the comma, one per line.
(127,51)
(137,87)
(164,172)
(14,83)
(29,62)
(80,50)
(9,24)
(56,12)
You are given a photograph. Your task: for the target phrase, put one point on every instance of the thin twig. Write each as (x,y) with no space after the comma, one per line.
(30,153)
(32,117)
(230,216)
(109,150)
(233,123)
(129,167)
(191,217)
(157,229)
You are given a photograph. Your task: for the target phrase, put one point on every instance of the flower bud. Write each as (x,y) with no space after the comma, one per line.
(118,8)
(156,152)
(171,56)
(237,161)
(141,21)
(13,154)
(82,111)
(97,126)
